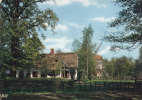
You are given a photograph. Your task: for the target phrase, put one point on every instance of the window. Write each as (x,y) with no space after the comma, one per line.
(28,74)
(35,74)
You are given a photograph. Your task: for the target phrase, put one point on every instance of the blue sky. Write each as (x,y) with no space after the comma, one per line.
(74,15)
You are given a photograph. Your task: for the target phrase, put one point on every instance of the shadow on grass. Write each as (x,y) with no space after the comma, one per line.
(107,95)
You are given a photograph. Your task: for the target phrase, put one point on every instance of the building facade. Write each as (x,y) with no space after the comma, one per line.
(68,63)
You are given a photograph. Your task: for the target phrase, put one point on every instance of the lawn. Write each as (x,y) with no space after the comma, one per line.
(107,95)
(110,80)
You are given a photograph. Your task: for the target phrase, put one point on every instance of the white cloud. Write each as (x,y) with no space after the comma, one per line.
(83,2)
(59,2)
(102,19)
(104,51)
(58,27)
(76,25)
(62,27)
(57,43)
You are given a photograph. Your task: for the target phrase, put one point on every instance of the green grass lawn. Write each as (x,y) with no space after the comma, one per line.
(107,95)
(110,80)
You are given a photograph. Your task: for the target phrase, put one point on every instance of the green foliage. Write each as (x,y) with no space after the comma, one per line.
(20,42)
(58,51)
(109,66)
(58,67)
(37,85)
(138,63)
(21,74)
(45,65)
(129,25)
(72,72)
(3,74)
(120,67)
(49,65)
(85,51)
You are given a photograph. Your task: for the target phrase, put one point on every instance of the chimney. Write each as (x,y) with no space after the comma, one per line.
(52,51)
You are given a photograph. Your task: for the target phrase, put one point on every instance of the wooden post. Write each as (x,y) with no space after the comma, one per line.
(90,86)
(85,85)
(79,85)
(128,85)
(109,85)
(141,89)
(104,85)
(113,85)
(95,86)
(63,86)
(124,85)
(120,84)
(117,85)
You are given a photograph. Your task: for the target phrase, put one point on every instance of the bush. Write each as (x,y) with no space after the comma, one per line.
(21,74)
(3,74)
(37,84)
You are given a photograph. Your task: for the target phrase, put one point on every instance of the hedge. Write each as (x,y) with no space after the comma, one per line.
(36,84)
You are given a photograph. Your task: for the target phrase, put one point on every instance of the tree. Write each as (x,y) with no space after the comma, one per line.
(85,51)
(138,63)
(49,65)
(129,21)
(120,67)
(109,66)
(20,41)
(58,51)
(3,74)
(21,74)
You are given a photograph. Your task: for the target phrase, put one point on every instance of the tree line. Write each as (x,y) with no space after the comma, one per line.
(121,67)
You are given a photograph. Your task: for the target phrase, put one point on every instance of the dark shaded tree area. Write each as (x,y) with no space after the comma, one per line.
(20,20)
(138,70)
(120,67)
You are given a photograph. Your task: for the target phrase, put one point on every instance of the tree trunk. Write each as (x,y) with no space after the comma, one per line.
(14,51)
(87,63)
(0,52)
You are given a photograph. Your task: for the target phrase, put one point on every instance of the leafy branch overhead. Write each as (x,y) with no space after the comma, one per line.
(129,21)
(20,21)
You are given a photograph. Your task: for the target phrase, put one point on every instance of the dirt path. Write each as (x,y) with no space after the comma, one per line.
(77,96)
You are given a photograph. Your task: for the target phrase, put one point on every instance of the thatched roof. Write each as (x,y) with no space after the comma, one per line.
(67,59)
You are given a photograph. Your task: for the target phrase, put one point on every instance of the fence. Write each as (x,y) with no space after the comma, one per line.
(78,86)
(101,86)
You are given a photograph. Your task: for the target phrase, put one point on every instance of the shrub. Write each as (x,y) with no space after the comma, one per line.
(21,74)
(37,84)
(3,74)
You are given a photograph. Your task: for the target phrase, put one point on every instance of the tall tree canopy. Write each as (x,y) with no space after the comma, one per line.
(120,67)
(138,62)
(129,23)
(85,50)
(19,24)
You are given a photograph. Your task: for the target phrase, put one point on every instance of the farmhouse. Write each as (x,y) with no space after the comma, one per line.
(68,61)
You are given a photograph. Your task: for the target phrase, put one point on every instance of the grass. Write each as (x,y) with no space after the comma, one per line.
(107,95)
(110,80)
